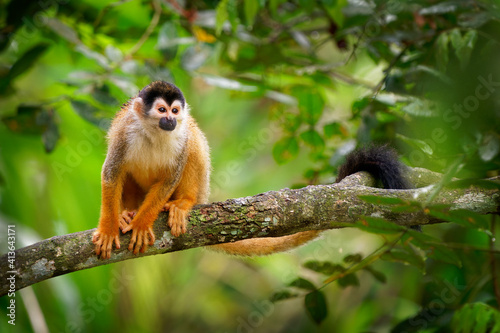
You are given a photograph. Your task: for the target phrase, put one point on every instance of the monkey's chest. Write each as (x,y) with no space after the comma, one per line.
(146,175)
(150,162)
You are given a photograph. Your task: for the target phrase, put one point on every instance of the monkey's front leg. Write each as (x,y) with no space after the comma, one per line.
(142,224)
(107,231)
(177,216)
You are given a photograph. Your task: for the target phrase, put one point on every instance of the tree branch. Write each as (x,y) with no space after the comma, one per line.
(269,214)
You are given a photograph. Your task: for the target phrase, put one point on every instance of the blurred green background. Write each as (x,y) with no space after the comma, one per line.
(283,90)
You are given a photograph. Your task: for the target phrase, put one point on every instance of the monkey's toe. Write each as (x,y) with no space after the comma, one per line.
(177,221)
(104,244)
(125,220)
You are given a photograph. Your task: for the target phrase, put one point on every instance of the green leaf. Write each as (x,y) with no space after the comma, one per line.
(221,16)
(324,267)
(195,56)
(482,183)
(379,276)
(418,144)
(353,258)
(474,19)
(282,295)
(377,225)
(311,103)
(302,284)
(232,11)
(476,318)
(251,8)
(433,247)
(167,40)
(50,136)
(87,112)
(348,280)
(102,95)
(463,217)
(334,10)
(441,8)
(332,129)
(418,107)
(463,45)
(490,147)
(315,304)
(25,120)
(405,255)
(442,56)
(27,60)
(313,139)
(273,6)
(285,149)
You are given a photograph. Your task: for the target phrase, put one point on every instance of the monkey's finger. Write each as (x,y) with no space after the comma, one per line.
(172,216)
(117,241)
(151,236)
(98,248)
(126,228)
(166,207)
(109,247)
(132,240)
(145,244)
(95,237)
(138,245)
(123,225)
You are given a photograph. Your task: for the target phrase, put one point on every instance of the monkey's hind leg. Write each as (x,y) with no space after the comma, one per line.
(177,216)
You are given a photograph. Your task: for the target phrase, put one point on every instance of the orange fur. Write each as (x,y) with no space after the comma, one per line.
(148,170)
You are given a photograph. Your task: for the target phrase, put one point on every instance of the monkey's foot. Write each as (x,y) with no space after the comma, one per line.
(104,242)
(177,216)
(126,218)
(142,236)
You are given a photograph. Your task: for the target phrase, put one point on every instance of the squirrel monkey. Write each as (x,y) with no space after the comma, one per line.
(158,159)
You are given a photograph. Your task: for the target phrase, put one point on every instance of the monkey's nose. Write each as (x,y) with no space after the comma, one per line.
(168,123)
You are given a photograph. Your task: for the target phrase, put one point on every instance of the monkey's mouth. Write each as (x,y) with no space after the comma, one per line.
(168,123)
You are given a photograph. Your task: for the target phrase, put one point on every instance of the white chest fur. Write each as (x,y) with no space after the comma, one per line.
(147,154)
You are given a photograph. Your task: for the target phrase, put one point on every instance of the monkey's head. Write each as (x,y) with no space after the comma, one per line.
(162,105)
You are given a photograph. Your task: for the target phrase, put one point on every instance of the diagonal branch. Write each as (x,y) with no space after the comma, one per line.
(269,214)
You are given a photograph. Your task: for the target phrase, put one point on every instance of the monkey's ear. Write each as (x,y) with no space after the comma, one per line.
(138,106)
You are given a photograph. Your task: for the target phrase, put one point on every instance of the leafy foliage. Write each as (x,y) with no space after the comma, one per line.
(327,75)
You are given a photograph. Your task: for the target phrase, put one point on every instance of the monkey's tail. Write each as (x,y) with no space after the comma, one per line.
(266,245)
(380,161)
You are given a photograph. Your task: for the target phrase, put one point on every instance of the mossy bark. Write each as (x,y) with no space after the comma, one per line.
(269,214)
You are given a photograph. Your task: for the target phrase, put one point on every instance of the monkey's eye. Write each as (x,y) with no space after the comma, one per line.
(162,109)
(175,110)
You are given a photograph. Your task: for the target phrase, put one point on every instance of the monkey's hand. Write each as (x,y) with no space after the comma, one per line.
(103,240)
(177,216)
(142,232)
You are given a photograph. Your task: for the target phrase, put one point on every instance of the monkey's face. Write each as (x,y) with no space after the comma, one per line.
(166,113)
(161,115)
(161,106)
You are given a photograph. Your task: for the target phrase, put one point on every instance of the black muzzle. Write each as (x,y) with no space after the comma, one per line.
(168,123)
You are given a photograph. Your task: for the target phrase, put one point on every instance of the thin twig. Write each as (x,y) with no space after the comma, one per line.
(388,71)
(494,271)
(149,30)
